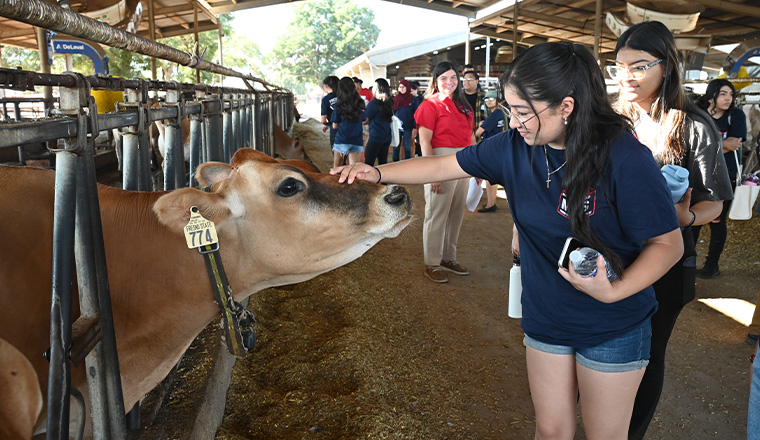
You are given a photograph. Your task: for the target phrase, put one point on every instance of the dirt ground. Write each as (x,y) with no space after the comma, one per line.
(374,350)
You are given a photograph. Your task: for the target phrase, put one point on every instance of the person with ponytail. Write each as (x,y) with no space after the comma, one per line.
(379,115)
(571,167)
(649,69)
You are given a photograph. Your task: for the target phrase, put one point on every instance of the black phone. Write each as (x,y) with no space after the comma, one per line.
(571,244)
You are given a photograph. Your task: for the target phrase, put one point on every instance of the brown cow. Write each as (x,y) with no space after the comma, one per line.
(277,224)
(20,395)
(287,147)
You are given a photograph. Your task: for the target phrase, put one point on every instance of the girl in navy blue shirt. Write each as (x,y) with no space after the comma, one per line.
(347,119)
(571,166)
(330,84)
(379,115)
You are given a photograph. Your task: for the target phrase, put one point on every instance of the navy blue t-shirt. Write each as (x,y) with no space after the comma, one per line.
(379,128)
(351,133)
(634,206)
(328,105)
(406,115)
(738,129)
(493,125)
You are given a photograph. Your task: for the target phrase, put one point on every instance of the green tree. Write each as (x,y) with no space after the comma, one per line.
(14,57)
(324,35)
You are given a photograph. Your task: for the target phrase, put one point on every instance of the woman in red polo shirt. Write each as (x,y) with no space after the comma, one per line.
(445,126)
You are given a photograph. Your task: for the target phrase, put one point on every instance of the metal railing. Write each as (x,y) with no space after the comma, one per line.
(221,121)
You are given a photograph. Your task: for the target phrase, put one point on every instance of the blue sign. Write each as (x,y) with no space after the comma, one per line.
(743,59)
(81,48)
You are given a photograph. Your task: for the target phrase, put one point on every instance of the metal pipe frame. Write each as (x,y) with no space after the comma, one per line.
(227,134)
(53,17)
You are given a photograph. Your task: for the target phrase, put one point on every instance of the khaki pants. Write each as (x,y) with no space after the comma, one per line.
(443,217)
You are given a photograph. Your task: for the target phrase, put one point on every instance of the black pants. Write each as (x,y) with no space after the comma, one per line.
(376,150)
(718,236)
(673,291)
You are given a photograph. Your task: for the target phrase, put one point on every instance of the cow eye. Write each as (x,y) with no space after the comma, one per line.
(290,187)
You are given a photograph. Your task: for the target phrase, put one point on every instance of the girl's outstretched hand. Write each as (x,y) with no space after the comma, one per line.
(356,171)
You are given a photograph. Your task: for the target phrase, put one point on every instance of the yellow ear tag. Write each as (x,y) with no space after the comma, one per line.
(199,231)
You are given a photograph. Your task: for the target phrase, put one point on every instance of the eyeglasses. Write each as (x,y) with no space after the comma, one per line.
(488,99)
(469,79)
(523,122)
(619,73)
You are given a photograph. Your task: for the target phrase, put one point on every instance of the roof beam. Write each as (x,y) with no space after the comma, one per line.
(204,8)
(176,31)
(243,4)
(736,8)
(464,10)
(553,19)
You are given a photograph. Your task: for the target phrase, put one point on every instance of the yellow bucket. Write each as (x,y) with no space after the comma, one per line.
(106,99)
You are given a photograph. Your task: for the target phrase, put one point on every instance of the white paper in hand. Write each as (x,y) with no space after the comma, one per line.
(474,193)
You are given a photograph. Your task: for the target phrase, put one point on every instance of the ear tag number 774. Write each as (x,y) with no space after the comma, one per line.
(199,231)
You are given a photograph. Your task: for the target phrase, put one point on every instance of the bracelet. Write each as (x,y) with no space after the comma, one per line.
(379,175)
(693,218)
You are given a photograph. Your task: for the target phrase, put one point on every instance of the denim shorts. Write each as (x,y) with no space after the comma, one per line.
(627,352)
(348,148)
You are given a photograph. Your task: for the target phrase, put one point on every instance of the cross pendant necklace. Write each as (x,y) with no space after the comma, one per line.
(549,173)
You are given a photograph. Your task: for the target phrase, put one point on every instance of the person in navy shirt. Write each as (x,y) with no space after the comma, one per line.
(494,124)
(379,115)
(719,102)
(571,167)
(330,84)
(347,119)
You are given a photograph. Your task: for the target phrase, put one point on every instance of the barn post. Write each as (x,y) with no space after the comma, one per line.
(227,123)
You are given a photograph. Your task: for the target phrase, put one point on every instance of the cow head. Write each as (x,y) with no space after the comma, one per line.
(292,222)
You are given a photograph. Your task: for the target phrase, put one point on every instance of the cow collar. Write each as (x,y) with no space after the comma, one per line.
(237,321)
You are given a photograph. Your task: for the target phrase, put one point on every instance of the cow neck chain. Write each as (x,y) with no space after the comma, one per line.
(237,321)
(549,173)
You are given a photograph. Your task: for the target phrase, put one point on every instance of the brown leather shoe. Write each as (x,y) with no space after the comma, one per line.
(455,267)
(436,274)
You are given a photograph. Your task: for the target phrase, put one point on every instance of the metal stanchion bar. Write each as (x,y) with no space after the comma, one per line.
(227,136)
(195,147)
(235,124)
(214,147)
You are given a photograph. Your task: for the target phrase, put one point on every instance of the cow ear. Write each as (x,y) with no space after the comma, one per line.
(173,208)
(209,173)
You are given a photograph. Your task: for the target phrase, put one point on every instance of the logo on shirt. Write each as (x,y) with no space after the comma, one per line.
(589,204)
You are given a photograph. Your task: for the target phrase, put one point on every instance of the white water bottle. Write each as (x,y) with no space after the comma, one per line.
(515,290)
(584,263)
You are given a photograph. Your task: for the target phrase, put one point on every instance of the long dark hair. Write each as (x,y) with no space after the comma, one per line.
(350,104)
(384,99)
(672,106)
(549,73)
(712,92)
(458,97)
